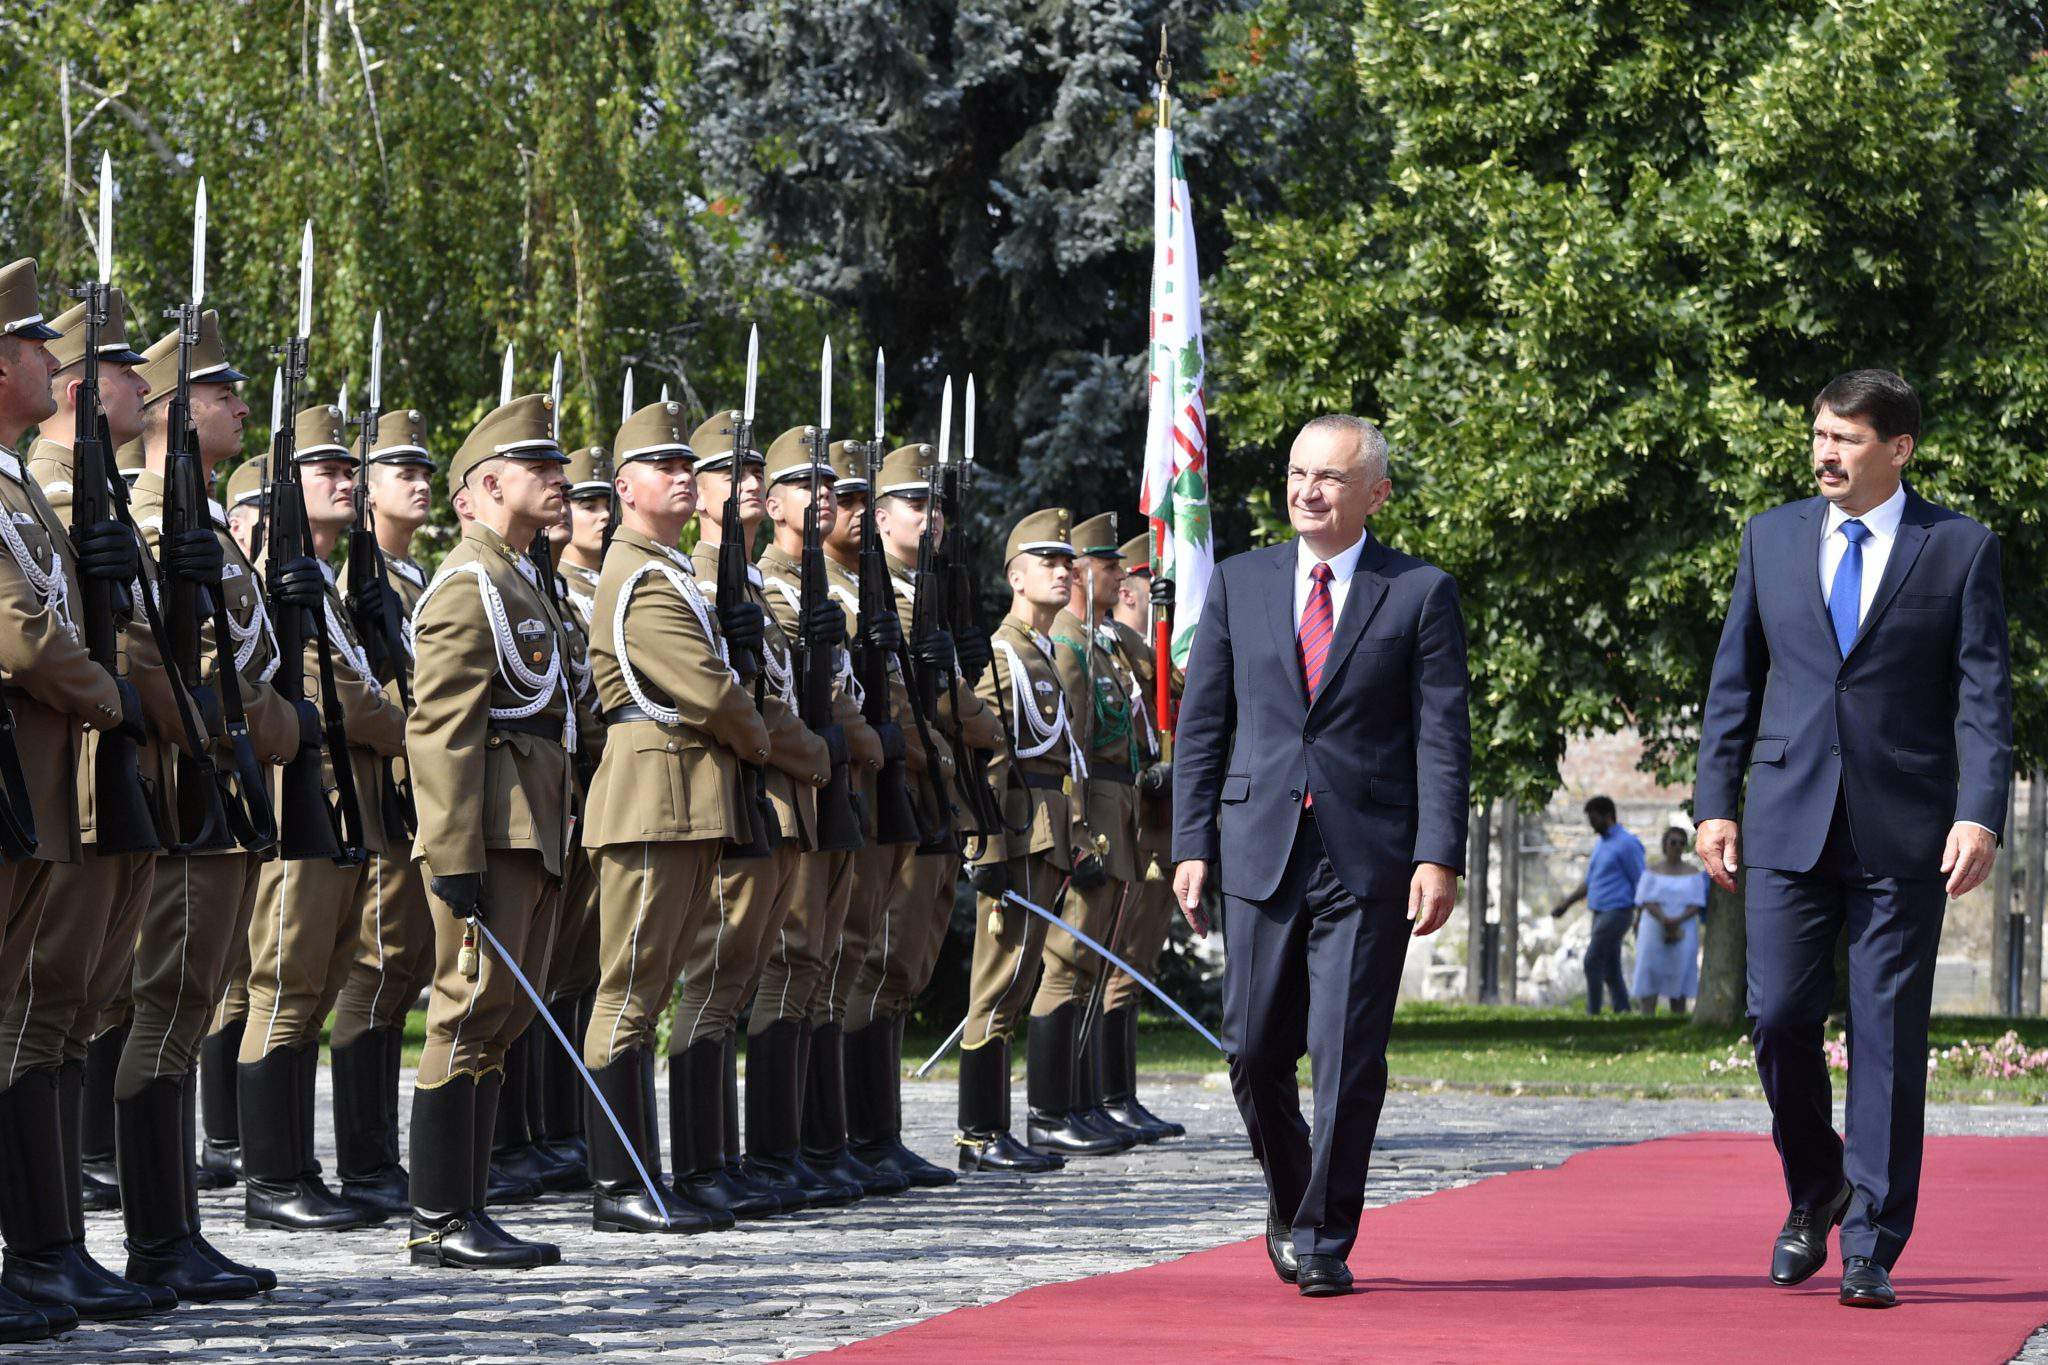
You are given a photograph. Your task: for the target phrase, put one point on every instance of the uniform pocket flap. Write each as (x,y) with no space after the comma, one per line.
(1922,601)
(1920,761)
(1236,787)
(1392,791)
(1767,749)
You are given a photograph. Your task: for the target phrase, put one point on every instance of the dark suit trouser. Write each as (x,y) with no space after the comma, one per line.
(1312,969)
(1894,929)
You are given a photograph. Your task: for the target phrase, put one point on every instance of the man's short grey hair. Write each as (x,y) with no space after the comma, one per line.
(1371,445)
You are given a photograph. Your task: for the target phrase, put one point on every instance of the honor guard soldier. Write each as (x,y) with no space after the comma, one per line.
(128,459)
(393,956)
(665,799)
(195,931)
(897,968)
(1038,798)
(1149,914)
(1068,1119)
(304,934)
(796,1122)
(491,737)
(248,503)
(54,688)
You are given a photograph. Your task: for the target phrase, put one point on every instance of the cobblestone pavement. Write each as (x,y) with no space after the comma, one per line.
(789,1286)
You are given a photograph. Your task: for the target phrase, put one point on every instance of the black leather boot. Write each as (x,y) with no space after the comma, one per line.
(100,1184)
(514,1162)
(21,1320)
(70,1117)
(561,1100)
(874,1105)
(619,1201)
(915,1168)
(678,1206)
(489,1105)
(1049,1086)
(696,1135)
(1120,1075)
(188,1128)
(43,1264)
(775,1085)
(220,1156)
(154,1164)
(360,1150)
(824,1135)
(1089,1110)
(283,1187)
(446,1230)
(985,1142)
(738,1167)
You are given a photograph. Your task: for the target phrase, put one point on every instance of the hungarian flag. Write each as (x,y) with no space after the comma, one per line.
(1176,488)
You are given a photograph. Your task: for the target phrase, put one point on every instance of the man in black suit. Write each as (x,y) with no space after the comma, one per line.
(1320,769)
(1862,687)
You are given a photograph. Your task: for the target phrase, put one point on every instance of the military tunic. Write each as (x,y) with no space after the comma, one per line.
(665,795)
(1150,914)
(572,971)
(490,740)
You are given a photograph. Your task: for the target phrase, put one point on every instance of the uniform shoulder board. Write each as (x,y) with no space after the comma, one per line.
(230,570)
(1042,685)
(531,628)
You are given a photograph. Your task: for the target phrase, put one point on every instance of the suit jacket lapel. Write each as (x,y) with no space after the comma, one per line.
(1912,538)
(1809,565)
(1363,599)
(1285,639)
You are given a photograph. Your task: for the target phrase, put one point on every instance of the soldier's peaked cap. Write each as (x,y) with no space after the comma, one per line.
(850,465)
(1042,533)
(1097,536)
(905,473)
(655,432)
(246,483)
(590,473)
(1136,553)
(401,439)
(322,434)
(523,429)
(21,313)
(791,458)
(69,345)
(712,440)
(208,361)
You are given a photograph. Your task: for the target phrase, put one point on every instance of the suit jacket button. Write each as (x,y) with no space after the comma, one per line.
(1294,793)
(1310,737)
(1841,687)
(1834,748)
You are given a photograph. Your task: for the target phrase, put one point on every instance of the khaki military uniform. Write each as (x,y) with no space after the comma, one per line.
(494,789)
(1104,730)
(572,972)
(664,798)
(1150,914)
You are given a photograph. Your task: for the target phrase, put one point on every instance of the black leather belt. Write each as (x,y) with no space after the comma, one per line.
(1112,772)
(1051,782)
(619,715)
(532,725)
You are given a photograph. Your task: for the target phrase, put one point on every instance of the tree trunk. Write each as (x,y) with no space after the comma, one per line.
(1475,905)
(1510,898)
(1724,986)
(2037,889)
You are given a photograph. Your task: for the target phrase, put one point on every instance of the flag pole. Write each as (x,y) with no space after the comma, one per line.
(1162,613)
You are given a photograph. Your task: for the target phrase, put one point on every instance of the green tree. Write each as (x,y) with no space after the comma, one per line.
(1612,252)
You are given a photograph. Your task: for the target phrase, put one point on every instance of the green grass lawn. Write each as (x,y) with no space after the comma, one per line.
(1548,1052)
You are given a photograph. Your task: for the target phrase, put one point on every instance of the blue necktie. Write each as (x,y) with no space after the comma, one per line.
(1845,601)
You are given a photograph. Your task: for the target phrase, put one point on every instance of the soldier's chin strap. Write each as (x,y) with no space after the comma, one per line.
(576,1058)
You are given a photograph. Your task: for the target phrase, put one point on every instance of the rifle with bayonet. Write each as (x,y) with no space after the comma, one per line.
(880,637)
(313,823)
(372,605)
(821,630)
(929,652)
(741,620)
(216,809)
(953,604)
(541,554)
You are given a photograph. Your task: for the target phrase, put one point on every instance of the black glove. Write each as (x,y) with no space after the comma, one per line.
(891,735)
(208,703)
(935,652)
(369,600)
(835,743)
(194,556)
(1089,872)
(1162,594)
(741,625)
(299,583)
(990,879)
(883,631)
(972,648)
(462,893)
(309,724)
(825,624)
(131,709)
(106,551)
(1156,779)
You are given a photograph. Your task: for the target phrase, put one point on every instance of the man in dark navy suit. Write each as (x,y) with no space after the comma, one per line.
(1320,771)
(1862,688)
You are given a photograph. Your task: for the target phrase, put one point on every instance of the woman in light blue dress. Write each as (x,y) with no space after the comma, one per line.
(1672,895)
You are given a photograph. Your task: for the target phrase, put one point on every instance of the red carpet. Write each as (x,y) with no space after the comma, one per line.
(1651,1252)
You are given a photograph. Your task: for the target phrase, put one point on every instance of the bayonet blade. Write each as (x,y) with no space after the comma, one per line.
(967,435)
(664,393)
(881,370)
(946,421)
(505,378)
(306,282)
(342,401)
(626,398)
(377,362)
(753,371)
(825,390)
(555,394)
(276,400)
(199,244)
(106,242)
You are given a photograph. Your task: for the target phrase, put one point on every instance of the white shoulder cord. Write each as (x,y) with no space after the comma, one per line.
(1044,734)
(843,676)
(52,585)
(686,588)
(352,654)
(535,690)
(246,634)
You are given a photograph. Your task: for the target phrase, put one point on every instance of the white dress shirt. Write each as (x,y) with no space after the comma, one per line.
(1883,524)
(1342,566)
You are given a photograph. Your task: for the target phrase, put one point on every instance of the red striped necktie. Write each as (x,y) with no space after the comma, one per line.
(1318,626)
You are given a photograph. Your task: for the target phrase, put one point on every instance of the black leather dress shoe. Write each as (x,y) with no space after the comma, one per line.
(1322,1277)
(303,1204)
(179,1266)
(220,1165)
(1802,1245)
(1064,1135)
(1280,1246)
(384,1190)
(463,1242)
(1000,1152)
(1866,1284)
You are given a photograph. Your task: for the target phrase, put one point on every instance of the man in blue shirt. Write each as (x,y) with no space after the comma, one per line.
(1609,890)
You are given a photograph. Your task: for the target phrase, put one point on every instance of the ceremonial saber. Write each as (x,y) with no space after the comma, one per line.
(576,1058)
